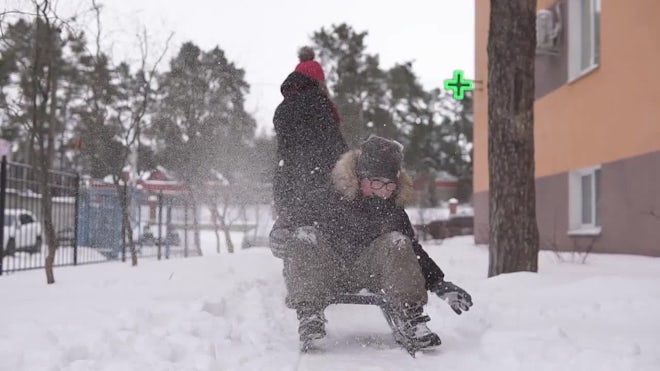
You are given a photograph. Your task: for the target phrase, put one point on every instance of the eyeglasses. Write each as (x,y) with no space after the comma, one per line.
(380,183)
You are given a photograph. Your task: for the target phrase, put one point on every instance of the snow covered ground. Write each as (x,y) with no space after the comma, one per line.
(226,312)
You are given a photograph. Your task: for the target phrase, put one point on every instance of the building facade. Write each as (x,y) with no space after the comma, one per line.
(597,125)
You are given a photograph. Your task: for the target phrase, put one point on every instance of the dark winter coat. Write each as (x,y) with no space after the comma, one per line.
(309,143)
(352,221)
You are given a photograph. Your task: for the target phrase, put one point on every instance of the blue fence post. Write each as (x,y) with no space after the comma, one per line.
(3,192)
(123,199)
(75,220)
(160,223)
(185,228)
(168,224)
(138,201)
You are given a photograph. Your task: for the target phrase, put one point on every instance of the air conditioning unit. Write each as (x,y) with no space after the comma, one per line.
(548,31)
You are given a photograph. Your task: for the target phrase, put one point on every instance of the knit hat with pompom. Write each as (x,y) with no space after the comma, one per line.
(308,66)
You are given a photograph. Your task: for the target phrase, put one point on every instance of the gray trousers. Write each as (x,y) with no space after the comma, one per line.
(315,273)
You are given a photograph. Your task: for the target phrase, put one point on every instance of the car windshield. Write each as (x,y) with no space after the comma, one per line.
(9,219)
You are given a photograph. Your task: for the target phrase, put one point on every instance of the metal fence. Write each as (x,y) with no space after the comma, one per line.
(165,226)
(87,220)
(161,225)
(23,235)
(99,225)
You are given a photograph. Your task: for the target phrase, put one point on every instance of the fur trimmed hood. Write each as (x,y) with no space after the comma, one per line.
(346,182)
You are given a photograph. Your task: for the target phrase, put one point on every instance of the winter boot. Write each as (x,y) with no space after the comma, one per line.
(311,324)
(411,330)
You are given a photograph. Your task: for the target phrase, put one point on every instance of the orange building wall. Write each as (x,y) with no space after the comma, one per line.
(609,114)
(480,153)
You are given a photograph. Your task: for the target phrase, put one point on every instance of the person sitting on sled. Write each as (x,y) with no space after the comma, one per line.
(363,239)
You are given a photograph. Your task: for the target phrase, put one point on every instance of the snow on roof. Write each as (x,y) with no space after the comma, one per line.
(444,176)
(426,215)
(17,211)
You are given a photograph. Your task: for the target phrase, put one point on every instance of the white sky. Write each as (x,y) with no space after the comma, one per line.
(262,36)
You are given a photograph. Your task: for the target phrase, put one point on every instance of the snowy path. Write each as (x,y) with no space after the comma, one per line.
(226,312)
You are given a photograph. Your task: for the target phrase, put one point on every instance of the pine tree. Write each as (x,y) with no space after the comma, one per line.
(201,123)
(357,83)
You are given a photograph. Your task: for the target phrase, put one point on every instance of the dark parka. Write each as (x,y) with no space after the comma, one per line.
(309,143)
(353,221)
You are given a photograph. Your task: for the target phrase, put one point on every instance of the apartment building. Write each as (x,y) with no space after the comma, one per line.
(597,125)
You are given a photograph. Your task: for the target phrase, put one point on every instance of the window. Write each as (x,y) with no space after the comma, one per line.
(584,201)
(583,37)
(26,219)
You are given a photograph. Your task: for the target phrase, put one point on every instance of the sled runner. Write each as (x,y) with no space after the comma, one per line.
(388,312)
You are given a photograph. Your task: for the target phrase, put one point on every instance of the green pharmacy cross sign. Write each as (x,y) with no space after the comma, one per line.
(458,85)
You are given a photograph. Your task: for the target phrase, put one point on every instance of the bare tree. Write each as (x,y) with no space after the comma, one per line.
(128,117)
(38,49)
(9,13)
(43,99)
(514,235)
(132,134)
(194,200)
(220,223)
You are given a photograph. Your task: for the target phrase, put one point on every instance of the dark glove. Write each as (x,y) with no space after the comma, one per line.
(457,298)
(279,239)
(283,240)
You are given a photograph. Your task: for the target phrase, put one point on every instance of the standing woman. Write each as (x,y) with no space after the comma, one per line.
(309,143)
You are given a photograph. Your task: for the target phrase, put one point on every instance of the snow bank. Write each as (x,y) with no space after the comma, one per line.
(226,312)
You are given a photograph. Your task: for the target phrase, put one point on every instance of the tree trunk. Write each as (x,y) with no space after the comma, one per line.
(198,244)
(225,228)
(129,234)
(215,215)
(221,225)
(46,207)
(514,237)
(44,86)
(217,239)
(46,156)
(127,227)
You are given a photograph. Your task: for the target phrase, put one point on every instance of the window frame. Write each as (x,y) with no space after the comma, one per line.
(576,37)
(575,202)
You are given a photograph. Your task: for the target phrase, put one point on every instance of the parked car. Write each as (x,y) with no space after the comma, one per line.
(148,238)
(172,238)
(21,232)
(460,225)
(456,225)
